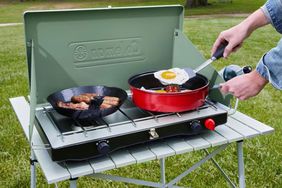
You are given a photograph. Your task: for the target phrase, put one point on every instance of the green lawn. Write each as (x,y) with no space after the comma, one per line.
(262,155)
(12,12)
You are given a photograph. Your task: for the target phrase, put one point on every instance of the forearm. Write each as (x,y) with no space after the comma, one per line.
(254,21)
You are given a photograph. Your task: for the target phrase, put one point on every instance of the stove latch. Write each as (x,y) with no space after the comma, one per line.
(153,134)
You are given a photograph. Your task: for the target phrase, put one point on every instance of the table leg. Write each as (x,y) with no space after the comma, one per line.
(221,170)
(162,164)
(241,164)
(73,183)
(32,170)
(196,165)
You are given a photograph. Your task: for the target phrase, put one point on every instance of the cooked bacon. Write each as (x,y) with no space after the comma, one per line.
(110,102)
(90,95)
(87,97)
(81,98)
(74,106)
(105,106)
(82,101)
(108,98)
(172,88)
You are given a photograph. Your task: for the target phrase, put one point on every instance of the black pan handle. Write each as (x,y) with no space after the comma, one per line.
(220,50)
(96,102)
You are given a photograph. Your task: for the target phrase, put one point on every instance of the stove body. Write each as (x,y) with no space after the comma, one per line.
(78,140)
(106,46)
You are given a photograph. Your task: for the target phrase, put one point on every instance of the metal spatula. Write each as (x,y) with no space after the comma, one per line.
(217,55)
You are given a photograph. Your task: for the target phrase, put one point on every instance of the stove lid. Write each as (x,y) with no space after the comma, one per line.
(104,46)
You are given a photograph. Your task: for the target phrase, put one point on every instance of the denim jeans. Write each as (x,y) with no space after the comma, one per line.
(270,65)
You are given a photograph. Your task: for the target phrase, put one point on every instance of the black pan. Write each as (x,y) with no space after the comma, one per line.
(94,111)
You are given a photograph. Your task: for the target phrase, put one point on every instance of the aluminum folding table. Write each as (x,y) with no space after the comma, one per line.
(238,128)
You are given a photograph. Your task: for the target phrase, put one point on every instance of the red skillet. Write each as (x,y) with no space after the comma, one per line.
(197,87)
(167,102)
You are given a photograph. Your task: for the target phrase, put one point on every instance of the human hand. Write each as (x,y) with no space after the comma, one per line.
(234,36)
(244,86)
(237,34)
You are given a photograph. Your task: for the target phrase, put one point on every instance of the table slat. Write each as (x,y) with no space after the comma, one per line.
(228,133)
(242,129)
(142,154)
(254,124)
(198,143)
(122,158)
(214,138)
(179,145)
(102,164)
(78,169)
(161,149)
(21,108)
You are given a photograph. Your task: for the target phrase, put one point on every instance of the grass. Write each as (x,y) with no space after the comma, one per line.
(262,154)
(12,11)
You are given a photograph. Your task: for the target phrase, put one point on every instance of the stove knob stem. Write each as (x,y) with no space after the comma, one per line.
(196,126)
(103,147)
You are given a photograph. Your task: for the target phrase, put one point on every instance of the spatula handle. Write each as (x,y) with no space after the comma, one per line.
(220,50)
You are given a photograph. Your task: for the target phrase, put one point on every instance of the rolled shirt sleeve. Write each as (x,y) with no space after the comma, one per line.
(273,11)
(270,66)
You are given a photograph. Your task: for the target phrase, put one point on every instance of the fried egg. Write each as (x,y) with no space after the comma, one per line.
(172,76)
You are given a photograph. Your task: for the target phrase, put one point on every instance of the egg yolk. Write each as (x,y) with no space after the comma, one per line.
(168,75)
(160,91)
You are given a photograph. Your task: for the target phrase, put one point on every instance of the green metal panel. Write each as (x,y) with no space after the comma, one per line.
(186,55)
(98,46)
(33,102)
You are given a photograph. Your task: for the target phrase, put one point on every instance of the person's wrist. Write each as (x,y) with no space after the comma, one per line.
(241,31)
(246,28)
(258,79)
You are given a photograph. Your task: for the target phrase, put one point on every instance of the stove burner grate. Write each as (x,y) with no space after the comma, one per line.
(128,113)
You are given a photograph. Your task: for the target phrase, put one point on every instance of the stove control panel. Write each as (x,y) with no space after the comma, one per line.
(104,141)
(198,125)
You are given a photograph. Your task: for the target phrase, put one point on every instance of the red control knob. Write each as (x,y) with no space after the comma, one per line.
(210,124)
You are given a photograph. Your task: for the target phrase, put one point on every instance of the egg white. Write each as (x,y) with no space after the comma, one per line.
(181,76)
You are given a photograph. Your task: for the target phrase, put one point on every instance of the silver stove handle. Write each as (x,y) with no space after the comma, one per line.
(232,111)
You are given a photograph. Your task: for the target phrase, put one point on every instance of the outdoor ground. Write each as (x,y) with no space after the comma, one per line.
(263,157)
(12,12)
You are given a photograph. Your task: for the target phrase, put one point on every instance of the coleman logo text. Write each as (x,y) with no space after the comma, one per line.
(93,53)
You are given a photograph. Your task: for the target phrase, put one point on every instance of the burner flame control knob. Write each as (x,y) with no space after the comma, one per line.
(210,124)
(103,147)
(196,125)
